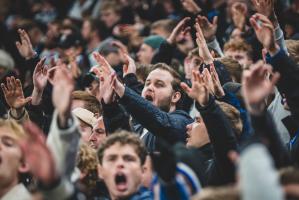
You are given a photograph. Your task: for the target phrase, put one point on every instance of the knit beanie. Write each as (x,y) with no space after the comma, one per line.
(154,41)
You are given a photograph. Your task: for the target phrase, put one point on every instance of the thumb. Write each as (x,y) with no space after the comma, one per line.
(27,100)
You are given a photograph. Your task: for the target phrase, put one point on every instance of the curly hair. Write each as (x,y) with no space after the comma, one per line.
(87,162)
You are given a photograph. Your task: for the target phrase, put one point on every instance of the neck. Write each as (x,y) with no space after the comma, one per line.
(172,108)
(4,189)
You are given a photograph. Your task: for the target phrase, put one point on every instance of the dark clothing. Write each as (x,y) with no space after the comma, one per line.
(289,80)
(223,140)
(209,162)
(169,126)
(265,130)
(288,86)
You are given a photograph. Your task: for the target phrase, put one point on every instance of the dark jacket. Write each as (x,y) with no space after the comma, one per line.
(209,162)
(288,86)
(169,126)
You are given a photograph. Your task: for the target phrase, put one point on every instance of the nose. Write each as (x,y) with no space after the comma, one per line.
(92,137)
(189,128)
(120,163)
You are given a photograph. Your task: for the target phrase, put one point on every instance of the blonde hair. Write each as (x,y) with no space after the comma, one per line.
(293,49)
(87,162)
(233,67)
(238,45)
(17,129)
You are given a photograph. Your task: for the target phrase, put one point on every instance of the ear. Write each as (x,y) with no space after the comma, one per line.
(97,115)
(24,167)
(100,171)
(176,97)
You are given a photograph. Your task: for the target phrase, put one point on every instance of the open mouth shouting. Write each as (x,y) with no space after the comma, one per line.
(121,182)
(149,97)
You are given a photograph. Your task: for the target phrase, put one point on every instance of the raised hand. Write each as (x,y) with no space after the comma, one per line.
(212,81)
(264,31)
(13,93)
(63,86)
(199,90)
(129,66)
(25,47)
(239,12)
(40,75)
(203,49)
(208,29)
(181,27)
(37,155)
(264,7)
(191,6)
(256,86)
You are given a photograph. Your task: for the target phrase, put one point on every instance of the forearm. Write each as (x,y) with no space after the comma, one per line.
(222,138)
(131,81)
(63,143)
(214,44)
(148,115)
(164,54)
(36,96)
(279,38)
(115,118)
(265,129)
(289,72)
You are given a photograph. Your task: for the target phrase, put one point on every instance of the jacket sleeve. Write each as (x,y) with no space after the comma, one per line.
(222,139)
(64,144)
(289,80)
(131,81)
(164,53)
(172,127)
(115,117)
(265,129)
(24,117)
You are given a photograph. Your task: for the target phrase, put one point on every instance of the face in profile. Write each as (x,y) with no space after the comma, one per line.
(197,134)
(121,170)
(145,54)
(98,134)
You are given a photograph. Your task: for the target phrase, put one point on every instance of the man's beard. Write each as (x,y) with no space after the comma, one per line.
(164,105)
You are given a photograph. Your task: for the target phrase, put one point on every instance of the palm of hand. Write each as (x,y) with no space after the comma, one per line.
(264,35)
(15,98)
(40,80)
(25,49)
(61,94)
(106,92)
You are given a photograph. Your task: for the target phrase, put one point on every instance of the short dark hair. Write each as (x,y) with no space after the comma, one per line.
(90,102)
(124,138)
(176,76)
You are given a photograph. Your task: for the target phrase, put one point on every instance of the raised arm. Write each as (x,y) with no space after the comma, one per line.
(219,129)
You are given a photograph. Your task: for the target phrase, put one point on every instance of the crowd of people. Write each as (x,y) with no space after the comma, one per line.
(149,99)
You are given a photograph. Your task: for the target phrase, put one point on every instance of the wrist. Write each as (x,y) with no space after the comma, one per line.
(31,55)
(120,90)
(36,96)
(63,119)
(17,113)
(273,49)
(170,41)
